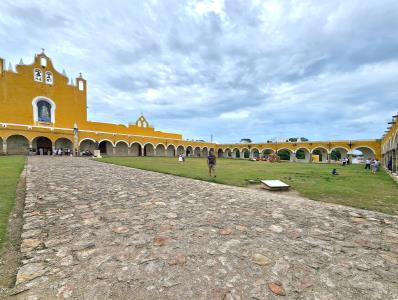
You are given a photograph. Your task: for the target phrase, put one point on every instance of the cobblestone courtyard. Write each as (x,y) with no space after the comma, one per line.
(96,231)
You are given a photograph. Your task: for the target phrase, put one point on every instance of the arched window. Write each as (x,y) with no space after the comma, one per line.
(49,78)
(37,75)
(43,110)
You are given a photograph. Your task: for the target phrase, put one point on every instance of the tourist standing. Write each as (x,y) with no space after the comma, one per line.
(211,163)
(367,164)
(389,164)
(374,166)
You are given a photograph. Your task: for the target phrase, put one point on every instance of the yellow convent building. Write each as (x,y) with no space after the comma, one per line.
(41,110)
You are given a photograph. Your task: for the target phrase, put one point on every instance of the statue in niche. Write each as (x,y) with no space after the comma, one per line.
(38,75)
(44,110)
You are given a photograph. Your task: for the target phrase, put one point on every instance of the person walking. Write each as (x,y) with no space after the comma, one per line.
(211,163)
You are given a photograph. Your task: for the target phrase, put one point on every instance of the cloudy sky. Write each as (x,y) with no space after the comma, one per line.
(232,68)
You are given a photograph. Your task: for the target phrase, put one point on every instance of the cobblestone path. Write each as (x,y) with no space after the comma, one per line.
(99,231)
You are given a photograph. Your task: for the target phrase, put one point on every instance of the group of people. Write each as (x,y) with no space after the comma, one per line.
(345,161)
(372,164)
(61,151)
(56,152)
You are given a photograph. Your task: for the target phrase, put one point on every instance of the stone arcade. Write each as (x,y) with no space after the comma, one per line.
(41,108)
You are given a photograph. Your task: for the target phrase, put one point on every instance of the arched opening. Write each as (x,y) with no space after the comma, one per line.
(160,150)
(220,153)
(17,144)
(205,152)
(136,149)
(338,154)
(121,148)
(171,150)
(235,153)
(361,154)
(196,152)
(42,145)
(105,147)
(285,154)
(319,154)
(1,145)
(87,145)
(64,144)
(254,153)
(245,153)
(228,153)
(266,153)
(189,151)
(303,155)
(180,150)
(149,150)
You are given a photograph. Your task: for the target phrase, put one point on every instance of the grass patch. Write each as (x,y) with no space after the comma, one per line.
(10,171)
(353,187)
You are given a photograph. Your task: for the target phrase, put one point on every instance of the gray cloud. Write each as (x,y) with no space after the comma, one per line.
(233,68)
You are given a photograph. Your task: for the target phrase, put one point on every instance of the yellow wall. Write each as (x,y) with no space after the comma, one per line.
(18,89)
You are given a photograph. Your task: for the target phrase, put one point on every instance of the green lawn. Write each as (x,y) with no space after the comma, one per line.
(10,170)
(354,186)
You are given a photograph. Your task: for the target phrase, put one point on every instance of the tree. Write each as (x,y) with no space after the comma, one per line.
(303,139)
(300,154)
(335,155)
(245,141)
(284,154)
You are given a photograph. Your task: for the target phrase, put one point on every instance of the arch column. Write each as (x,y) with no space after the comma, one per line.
(128,150)
(293,157)
(114,150)
(242,154)
(5,146)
